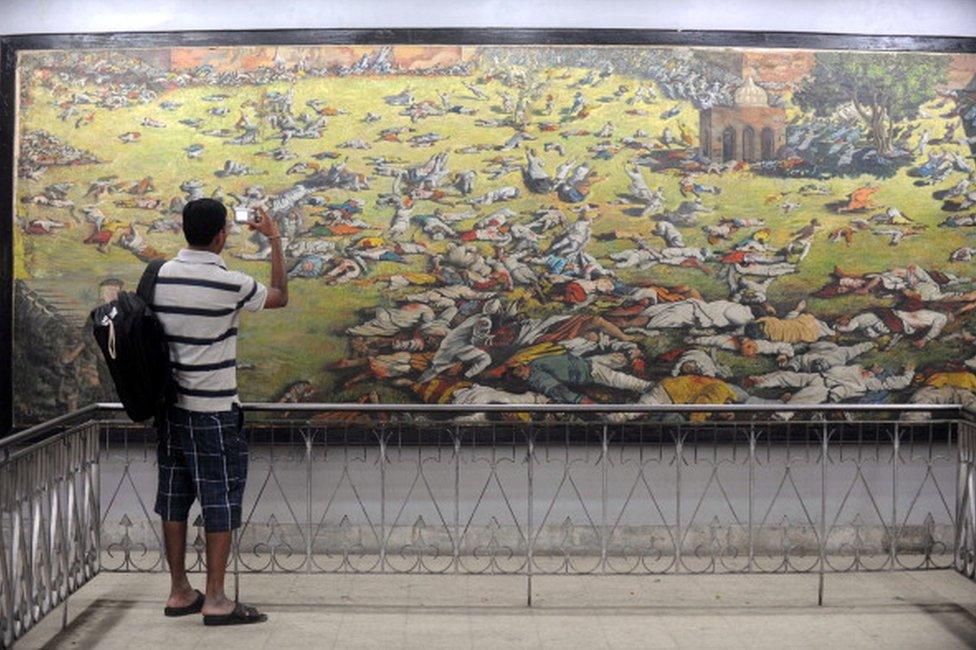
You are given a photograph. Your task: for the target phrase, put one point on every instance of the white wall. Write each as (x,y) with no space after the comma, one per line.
(923,17)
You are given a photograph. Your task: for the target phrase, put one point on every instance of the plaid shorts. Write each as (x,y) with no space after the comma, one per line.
(202,455)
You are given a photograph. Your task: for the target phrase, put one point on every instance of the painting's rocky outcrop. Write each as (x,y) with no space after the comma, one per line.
(55,356)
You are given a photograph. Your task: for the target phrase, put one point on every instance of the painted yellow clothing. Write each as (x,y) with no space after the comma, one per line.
(534,352)
(803,329)
(420,278)
(114,225)
(697,389)
(370,242)
(964,380)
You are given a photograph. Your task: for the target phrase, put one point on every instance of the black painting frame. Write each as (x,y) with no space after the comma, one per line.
(10,46)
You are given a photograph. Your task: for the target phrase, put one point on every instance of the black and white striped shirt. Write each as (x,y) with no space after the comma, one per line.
(199,303)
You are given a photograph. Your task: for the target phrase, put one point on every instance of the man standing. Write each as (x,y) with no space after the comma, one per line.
(201,453)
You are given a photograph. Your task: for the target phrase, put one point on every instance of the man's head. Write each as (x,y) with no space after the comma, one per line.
(748,347)
(819,365)
(604,285)
(359,345)
(205,224)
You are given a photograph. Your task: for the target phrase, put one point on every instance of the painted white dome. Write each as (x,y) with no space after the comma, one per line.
(749,94)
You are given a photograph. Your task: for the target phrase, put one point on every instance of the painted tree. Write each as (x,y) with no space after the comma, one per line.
(885,88)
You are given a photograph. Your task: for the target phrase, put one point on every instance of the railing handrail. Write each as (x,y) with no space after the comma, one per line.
(68,419)
(591,408)
(87,412)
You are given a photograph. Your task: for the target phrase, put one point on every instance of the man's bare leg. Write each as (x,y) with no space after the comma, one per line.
(636,321)
(358,378)
(181,593)
(352,362)
(218,550)
(603,325)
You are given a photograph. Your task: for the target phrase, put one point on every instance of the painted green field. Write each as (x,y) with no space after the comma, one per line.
(297,344)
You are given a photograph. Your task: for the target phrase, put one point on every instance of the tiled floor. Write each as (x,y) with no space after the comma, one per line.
(934,609)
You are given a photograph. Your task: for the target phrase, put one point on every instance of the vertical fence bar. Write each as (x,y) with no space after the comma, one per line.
(308,500)
(965,459)
(26,534)
(382,500)
(529,533)
(457,500)
(95,440)
(970,523)
(752,495)
(37,510)
(679,536)
(15,564)
(71,525)
(970,510)
(6,565)
(893,546)
(823,516)
(235,537)
(86,513)
(66,511)
(53,526)
(958,553)
(603,500)
(966,523)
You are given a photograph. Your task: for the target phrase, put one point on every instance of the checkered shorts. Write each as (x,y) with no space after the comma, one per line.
(202,455)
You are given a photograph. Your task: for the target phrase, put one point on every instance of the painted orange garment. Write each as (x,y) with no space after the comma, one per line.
(567,329)
(803,329)
(420,361)
(963,380)
(665,294)
(344,229)
(697,389)
(860,198)
(149,254)
(574,292)
(440,391)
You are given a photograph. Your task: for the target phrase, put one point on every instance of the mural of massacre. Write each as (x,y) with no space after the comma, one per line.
(476,225)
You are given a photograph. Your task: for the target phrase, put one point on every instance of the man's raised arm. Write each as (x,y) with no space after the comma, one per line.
(278,291)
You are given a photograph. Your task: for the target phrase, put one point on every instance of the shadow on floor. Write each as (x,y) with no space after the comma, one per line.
(95,621)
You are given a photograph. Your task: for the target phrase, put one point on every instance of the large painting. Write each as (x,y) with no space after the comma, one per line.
(496,224)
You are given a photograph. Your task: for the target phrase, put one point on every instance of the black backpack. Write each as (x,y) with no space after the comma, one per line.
(135,349)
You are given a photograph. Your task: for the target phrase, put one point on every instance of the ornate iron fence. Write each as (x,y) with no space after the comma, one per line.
(492,491)
(49,526)
(965,528)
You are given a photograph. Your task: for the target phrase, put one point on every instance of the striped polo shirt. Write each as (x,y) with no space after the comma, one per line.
(199,303)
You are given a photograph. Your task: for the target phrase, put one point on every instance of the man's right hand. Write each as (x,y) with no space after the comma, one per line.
(265,225)
(278,291)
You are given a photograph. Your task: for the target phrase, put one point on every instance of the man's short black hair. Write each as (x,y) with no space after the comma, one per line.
(202,220)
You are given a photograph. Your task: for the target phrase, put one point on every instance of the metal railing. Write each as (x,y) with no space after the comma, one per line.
(49,524)
(518,490)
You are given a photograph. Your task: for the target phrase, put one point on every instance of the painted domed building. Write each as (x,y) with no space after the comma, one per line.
(749,130)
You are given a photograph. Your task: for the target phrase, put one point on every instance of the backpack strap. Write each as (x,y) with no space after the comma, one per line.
(147,283)
(145,290)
